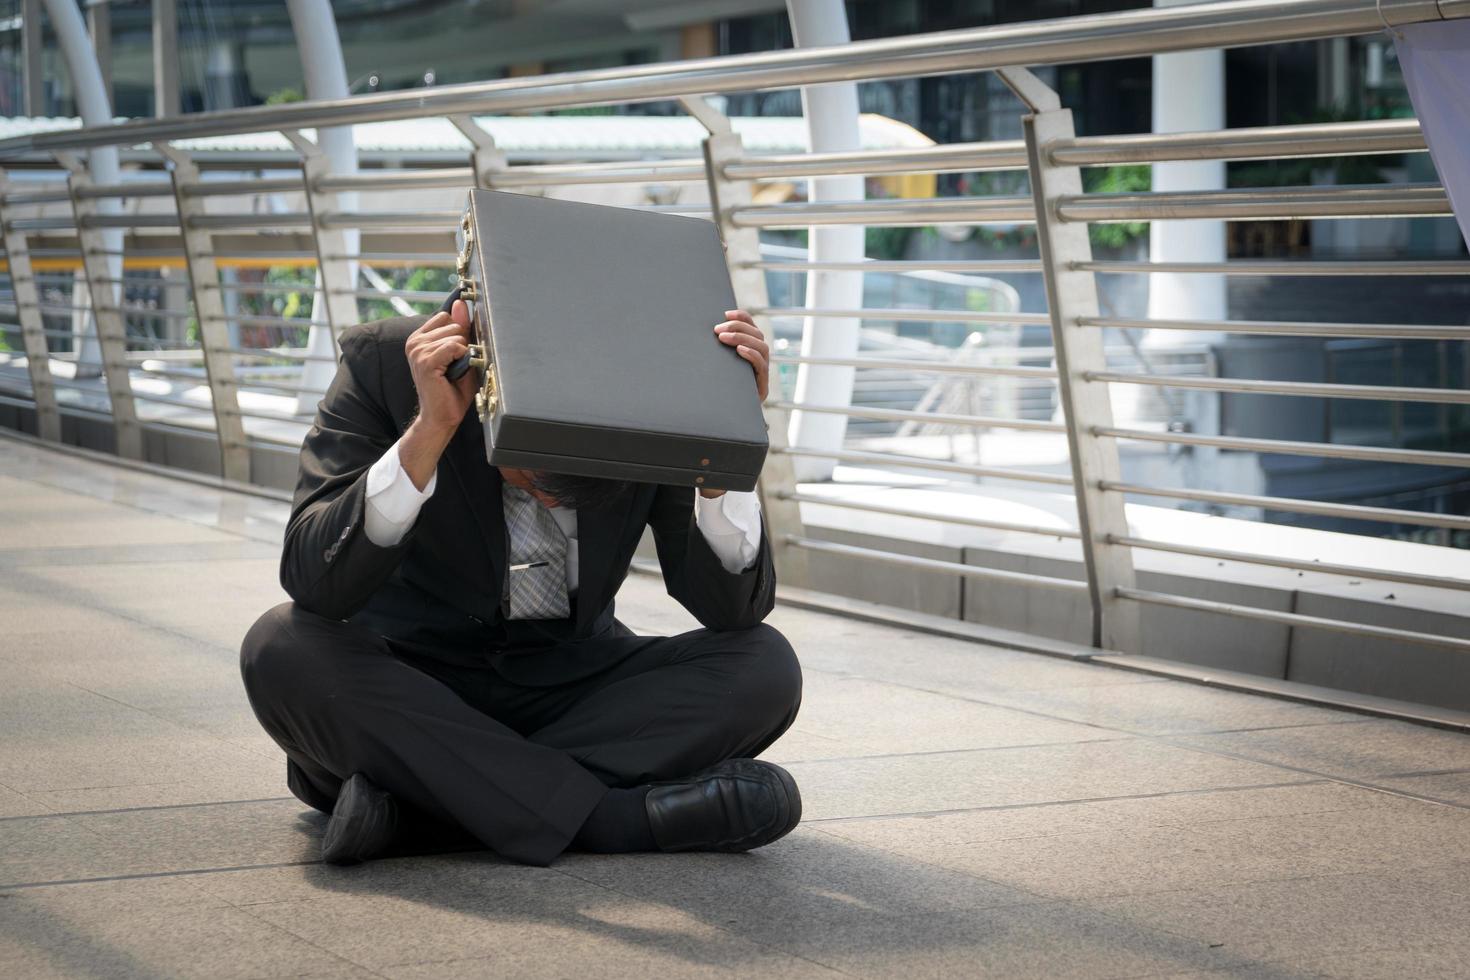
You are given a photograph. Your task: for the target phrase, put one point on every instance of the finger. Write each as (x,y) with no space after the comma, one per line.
(447,329)
(758,362)
(432,323)
(743,326)
(734,338)
(740,315)
(460,313)
(444,353)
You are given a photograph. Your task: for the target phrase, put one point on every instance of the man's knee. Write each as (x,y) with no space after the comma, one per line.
(274,656)
(774,676)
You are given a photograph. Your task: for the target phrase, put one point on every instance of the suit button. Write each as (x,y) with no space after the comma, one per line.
(329,554)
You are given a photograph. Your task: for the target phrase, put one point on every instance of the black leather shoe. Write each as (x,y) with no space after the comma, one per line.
(736,805)
(363,822)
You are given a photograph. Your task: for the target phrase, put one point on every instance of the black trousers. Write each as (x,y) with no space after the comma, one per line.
(519,766)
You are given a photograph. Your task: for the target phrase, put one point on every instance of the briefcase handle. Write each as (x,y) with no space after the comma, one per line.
(456,370)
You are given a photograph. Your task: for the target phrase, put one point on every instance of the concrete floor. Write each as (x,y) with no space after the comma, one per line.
(970,811)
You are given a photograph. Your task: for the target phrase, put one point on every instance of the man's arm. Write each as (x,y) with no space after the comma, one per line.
(697,577)
(329,564)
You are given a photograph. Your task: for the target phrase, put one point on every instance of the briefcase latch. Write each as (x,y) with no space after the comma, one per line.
(467,291)
(485,398)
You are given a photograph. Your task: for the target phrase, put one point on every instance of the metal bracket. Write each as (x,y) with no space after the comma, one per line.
(338,284)
(486,158)
(112,337)
(742,251)
(32,326)
(715,122)
(1036,94)
(1071,293)
(209,309)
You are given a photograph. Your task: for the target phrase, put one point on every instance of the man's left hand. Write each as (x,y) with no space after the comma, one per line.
(740,332)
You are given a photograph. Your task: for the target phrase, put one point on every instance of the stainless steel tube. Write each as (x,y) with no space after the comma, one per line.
(1398,331)
(936,565)
(1451,396)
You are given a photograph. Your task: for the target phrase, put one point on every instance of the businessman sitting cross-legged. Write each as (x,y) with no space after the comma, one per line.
(451,656)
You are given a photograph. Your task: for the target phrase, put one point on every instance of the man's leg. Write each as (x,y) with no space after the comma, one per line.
(678,705)
(338,702)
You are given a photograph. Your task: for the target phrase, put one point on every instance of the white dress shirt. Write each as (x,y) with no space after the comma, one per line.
(730,523)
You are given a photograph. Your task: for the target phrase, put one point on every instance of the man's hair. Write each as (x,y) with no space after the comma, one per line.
(579,492)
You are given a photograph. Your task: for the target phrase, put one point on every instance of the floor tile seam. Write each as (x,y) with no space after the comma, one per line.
(1422,774)
(1080,801)
(148,875)
(717,927)
(938,752)
(1343,780)
(146,809)
(275,927)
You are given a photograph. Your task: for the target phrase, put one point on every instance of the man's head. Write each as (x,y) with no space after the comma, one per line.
(565,490)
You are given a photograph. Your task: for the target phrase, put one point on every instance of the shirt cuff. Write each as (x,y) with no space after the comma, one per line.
(731,523)
(393,502)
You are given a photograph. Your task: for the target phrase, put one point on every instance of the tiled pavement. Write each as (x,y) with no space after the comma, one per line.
(970,811)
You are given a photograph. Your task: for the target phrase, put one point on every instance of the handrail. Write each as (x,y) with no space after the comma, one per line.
(1099,37)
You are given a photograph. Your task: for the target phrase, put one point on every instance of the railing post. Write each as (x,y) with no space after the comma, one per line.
(112,334)
(742,251)
(1071,292)
(209,310)
(338,272)
(32,327)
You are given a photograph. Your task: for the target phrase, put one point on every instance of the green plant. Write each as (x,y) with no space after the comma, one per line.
(1124,179)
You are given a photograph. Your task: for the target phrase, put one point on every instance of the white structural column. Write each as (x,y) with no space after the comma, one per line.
(326,78)
(1188,95)
(831,113)
(95,110)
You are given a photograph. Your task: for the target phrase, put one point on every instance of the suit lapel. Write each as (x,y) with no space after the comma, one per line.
(480,483)
(599,531)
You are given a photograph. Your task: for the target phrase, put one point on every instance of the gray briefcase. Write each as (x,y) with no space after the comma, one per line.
(594,342)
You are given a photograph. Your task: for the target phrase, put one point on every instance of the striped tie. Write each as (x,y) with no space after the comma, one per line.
(540,592)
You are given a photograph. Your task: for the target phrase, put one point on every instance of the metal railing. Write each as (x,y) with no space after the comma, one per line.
(251,364)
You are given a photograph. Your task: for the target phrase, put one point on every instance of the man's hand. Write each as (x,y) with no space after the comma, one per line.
(442,340)
(740,332)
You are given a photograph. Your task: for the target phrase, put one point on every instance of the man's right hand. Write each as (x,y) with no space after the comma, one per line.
(431,349)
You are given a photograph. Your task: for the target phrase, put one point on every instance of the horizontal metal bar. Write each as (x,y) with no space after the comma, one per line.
(57,223)
(981,266)
(1324,450)
(897,211)
(1259,204)
(1293,619)
(906,316)
(409,295)
(1330,568)
(915,462)
(1287,267)
(161,188)
(936,565)
(1050,532)
(423,258)
(1122,34)
(259,185)
(1298,389)
(44,195)
(1352,512)
(253,320)
(130,221)
(561,175)
(934,418)
(249,222)
(934,367)
(1398,331)
(445,221)
(1253,143)
(382,180)
(266,354)
(949,158)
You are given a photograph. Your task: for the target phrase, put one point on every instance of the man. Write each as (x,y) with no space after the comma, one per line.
(451,654)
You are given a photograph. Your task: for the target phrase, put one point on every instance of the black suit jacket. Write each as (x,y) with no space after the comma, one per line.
(437,592)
